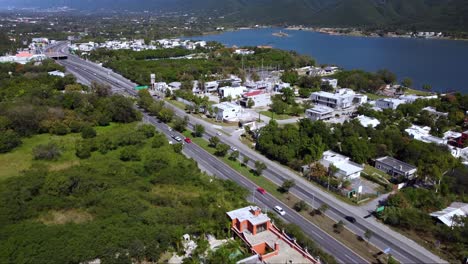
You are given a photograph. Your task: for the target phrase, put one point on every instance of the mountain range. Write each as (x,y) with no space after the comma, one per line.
(419,14)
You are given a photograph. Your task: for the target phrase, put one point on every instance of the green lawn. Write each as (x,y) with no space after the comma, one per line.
(276,116)
(372,96)
(176,103)
(21,158)
(370,170)
(417,92)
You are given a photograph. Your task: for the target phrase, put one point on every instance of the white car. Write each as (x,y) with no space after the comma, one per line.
(233,148)
(280,210)
(218,133)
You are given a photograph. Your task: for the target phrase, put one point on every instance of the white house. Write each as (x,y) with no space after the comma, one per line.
(342,98)
(234,92)
(259,98)
(244,52)
(319,112)
(227,111)
(389,103)
(332,82)
(368,121)
(211,86)
(347,169)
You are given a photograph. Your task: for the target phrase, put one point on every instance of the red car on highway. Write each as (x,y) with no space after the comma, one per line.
(261,190)
(188,140)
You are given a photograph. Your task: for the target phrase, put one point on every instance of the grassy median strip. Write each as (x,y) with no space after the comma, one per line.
(351,240)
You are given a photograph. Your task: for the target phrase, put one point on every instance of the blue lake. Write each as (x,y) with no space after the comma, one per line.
(441,63)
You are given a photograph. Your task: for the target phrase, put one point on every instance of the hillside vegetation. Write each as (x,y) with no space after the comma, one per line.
(445,15)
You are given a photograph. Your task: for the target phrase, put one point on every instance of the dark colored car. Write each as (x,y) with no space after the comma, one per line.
(350,219)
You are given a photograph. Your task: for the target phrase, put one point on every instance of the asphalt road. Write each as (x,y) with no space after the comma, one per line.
(403,249)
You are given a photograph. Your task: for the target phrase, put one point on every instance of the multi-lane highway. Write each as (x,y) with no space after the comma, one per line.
(403,249)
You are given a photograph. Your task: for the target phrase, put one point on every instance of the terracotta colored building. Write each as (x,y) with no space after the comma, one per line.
(265,240)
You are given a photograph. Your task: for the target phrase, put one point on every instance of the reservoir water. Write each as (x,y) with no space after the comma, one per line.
(441,63)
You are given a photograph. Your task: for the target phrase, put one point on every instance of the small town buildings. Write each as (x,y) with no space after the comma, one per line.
(23,57)
(227,111)
(388,103)
(332,82)
(265,241)
(57,73)
(175,86)
(342,98)
(395,168)
(233,92)
(447,216)
(260,85)
(258,97)
(366,121)
(347,169)
(319,112)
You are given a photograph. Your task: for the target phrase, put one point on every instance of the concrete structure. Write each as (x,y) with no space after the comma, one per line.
(280,86)
(227,111)
(265,240)
(259,98)
(388,103)
(347,169)
(434,112)
(411,98)
(57,73)
(447,215)
(368,121)
(211,86)
(244,52)
(395,168)
(342,98)
(332,82)
(234,92)
(319,112)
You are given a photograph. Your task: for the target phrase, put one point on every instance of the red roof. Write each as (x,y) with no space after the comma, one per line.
(253,93)
(24,54)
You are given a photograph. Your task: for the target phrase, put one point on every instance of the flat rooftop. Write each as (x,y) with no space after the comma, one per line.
(287,254)
(247,213)
(396,164)
(320,109)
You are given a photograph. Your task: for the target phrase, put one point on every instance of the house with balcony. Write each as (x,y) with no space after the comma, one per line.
(319,112)
(341,99)
(266,242)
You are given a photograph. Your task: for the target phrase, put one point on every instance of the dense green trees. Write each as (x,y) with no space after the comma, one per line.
(33,102)
(109,209)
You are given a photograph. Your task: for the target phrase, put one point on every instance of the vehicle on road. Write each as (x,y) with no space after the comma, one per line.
(188,140)
(178,139)
(261,190)
(218,133)
(279,210)
(233,148)
(350,219)
(169,128)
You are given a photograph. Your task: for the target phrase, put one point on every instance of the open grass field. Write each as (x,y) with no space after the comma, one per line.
(21,158)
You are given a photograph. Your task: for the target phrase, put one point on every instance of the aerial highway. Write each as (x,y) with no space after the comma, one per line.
(402,248)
